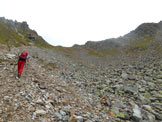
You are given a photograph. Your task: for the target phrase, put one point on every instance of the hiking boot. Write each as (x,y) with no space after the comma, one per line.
(19,75)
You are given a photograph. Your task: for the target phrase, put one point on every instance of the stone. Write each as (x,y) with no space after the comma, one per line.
(148,108)
(132,77)
(64,102)
(79,118)
(159,76)
(146,78)
(31,108)
(130,90)
(1,111)
(75,118)
(142,90)
(62,113)
(58,115)
(42,85)
(10,56)
(47,106)
(137,113)
(158,116)
(124,75)
(39,101)
(40,112)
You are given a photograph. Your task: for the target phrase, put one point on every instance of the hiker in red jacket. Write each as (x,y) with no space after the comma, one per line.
(21,62)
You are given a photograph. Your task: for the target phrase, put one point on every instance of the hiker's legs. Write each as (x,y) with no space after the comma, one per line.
(20,67)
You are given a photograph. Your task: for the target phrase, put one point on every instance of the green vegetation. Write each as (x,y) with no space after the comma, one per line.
(41,60)
(1,60)
(143,44)
(9,36)
(112,51)
(147,95)
(94,53)
(50,66)
(43,45)
(59,48)
(158,47)
(64,49)
(135,48)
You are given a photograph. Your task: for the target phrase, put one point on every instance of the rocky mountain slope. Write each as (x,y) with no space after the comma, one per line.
(54,87)
(139,38)
(15,33)
(80,84)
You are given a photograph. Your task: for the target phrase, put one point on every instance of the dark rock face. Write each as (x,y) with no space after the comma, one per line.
(31,37)
(24,26)
(147,29)
(14,24)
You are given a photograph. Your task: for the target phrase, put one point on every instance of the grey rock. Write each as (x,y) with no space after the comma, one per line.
(148,108)
(124,75)
(137,113)
(149,117)
(62,113)
(130,90)
(142,89)
(159,76)
(132,77)
(146,78)
(10,56)
(158,116)
(40,112)
(58,115)
(1,111)
(79,118)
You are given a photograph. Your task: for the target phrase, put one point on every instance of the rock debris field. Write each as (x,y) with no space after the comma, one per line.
(57,88)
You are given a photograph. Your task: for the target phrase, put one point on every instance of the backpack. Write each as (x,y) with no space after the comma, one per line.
(23,55)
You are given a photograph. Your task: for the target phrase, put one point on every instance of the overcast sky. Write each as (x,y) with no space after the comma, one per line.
(68,22)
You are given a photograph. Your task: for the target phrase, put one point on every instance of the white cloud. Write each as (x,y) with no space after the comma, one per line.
(68,22)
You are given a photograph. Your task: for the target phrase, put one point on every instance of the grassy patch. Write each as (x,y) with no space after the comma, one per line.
(94,53)
(135,48)
(1,60)
(111,52)
(59,48)
(103,53)
(53,65)
(42,45)
(158,47)
(10,37)
(147,95)
(41,60)
(63,49)
(143,44)
(50,66)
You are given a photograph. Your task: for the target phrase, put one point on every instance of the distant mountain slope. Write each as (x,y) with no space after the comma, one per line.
(138,38)
(15,33)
